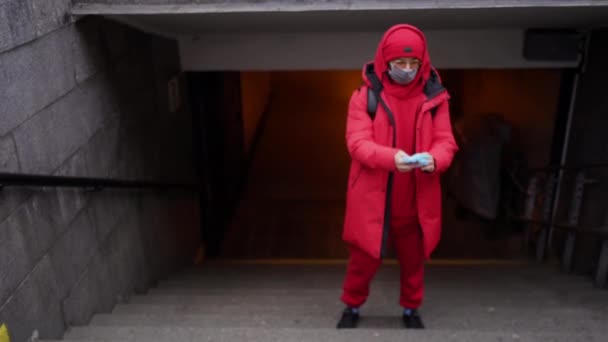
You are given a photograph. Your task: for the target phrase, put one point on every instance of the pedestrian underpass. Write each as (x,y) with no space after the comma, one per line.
(235,114)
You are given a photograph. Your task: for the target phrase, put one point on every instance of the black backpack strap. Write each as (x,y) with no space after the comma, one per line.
(373,95)
(433,88)
(372,103)
(376,89)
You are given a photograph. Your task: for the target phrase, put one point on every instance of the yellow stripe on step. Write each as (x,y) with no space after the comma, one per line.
(4,336)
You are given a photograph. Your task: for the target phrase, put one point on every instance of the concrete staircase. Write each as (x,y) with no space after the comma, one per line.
(220,302)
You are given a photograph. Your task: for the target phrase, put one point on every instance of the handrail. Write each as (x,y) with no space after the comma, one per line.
(30,180)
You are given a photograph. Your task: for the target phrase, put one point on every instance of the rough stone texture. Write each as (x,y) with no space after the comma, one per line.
(160,258)
(71,200)
(9,198)
(8,156)
(107,208)
(5,31)
(35,219)
(133,144)
(22,21)
(52,135)
(15,263)
(72,252)
(18,14)
(49,15)
(33,76)
(101,153)
(35,306)
(123,255)
(90,110)
(91,294)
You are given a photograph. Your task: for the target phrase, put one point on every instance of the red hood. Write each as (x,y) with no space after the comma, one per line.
(403,35)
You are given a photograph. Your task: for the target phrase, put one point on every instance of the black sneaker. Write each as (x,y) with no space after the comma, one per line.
(413,320)
(349,319)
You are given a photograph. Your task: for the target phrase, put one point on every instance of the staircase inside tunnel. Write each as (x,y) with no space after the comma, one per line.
(288,199)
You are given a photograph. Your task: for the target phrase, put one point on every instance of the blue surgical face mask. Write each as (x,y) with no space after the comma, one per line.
(402,76)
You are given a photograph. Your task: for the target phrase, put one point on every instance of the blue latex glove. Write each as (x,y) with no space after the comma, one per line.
(420,159)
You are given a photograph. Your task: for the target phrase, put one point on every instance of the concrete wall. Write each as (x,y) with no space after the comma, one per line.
(86,99)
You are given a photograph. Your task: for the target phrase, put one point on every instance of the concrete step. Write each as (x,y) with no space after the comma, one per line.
(515,276)
(301,303)
(247,292)
(211,269)
(522,270)
(456,295)
(150,334)
(484,321)
(311,283)
(505,278)
(259,320)
(487,319)
(339,275)
(592,294)
(521,302)
(391,271)
(445,282)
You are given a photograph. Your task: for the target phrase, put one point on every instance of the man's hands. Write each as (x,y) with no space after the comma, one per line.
(406,163)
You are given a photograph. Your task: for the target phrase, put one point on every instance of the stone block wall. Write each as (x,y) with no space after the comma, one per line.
(87,97)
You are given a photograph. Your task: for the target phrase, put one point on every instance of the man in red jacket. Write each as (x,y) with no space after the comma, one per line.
(398,155)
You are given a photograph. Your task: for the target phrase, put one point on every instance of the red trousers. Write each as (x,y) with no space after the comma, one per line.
(407,239)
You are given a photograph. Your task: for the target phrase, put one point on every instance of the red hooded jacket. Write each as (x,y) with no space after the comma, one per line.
(371,144)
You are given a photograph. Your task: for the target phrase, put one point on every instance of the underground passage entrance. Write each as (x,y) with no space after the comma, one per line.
(277,164)
(261,89)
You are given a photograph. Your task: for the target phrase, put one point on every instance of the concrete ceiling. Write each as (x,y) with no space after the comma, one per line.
(210,30)
(368,21)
